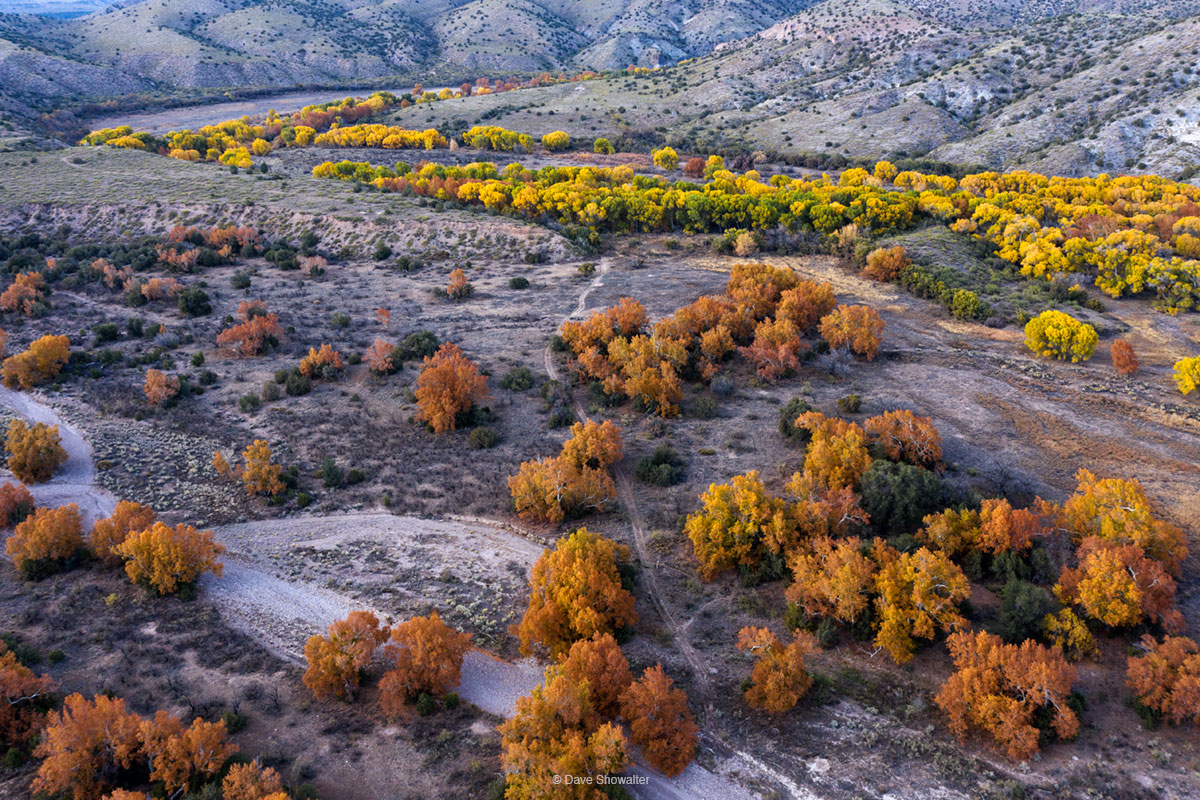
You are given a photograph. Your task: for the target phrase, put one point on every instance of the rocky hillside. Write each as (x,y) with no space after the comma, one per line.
(1068,85)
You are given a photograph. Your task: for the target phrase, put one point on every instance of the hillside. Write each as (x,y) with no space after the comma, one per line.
(1071,86)
(1078,94)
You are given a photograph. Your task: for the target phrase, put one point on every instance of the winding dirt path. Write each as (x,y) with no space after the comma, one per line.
(285,613)
(625,495)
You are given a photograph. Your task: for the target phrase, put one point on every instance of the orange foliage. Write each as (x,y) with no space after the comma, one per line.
(575,592)
(428,655)
(159,387)
(24,294)
(108,534)
(1124,359)
(858,328)
(379,358)
(84,745)
(837,454)
(259,474)
(448,387)
(459,287)
(161,288)
(884,264)
(904,436)
(20,717)
(780,676)
(776,348)
(34,453)
(335,661)
(1118,511)
(805,304)
(259,329)
(1166,678)
(319,363)
(1004,688)
(556,731)
(167,559)
(598,661)
(737,523)
(251,782)
(48,534)
(41,362)
(182,757)
(1119,586)
(574,482)
(660,721)
(16,503)
(918,595)
(832,578)
(383,316)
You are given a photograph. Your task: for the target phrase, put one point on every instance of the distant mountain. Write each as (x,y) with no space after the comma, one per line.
(58,8)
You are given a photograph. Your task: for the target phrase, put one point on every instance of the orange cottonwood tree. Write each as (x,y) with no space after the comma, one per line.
(259,329)
(379,358)
(832,578)
(837,455)
(448,387)
(805,304)
(780,676)
(46,536)
(42,361)
(660,721)
(737,524)
(34,453)
(21,693)
(167,559)
(459,287)
(574,482)
(325,362)
(259,474)
(918,595)
(428,655)
(252,782)
(599,662)
(1117,510)
(25,294)
(1003,689)
(1123,357)
(776,348)
(107,534)
(160,387)
(85,745)
(182,757)
(554,732)
(903,436)
(857,328)
(884,263)
(575,592)
(16,503)
(1119,585)
(1166,678)
(335,661)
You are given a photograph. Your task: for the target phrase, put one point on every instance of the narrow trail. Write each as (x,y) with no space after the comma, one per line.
(625,495)
(284,613)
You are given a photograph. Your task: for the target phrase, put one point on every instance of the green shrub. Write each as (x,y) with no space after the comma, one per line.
(249,402)
(787,420)
(331,473)
(898,496)
(703,408)
(382,252)
(1023,608)
(664,467)
(518,380)
(518,283)
(850,404)
(425,704)
(235,722)
(483,438)
(193,301)
(240,280)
